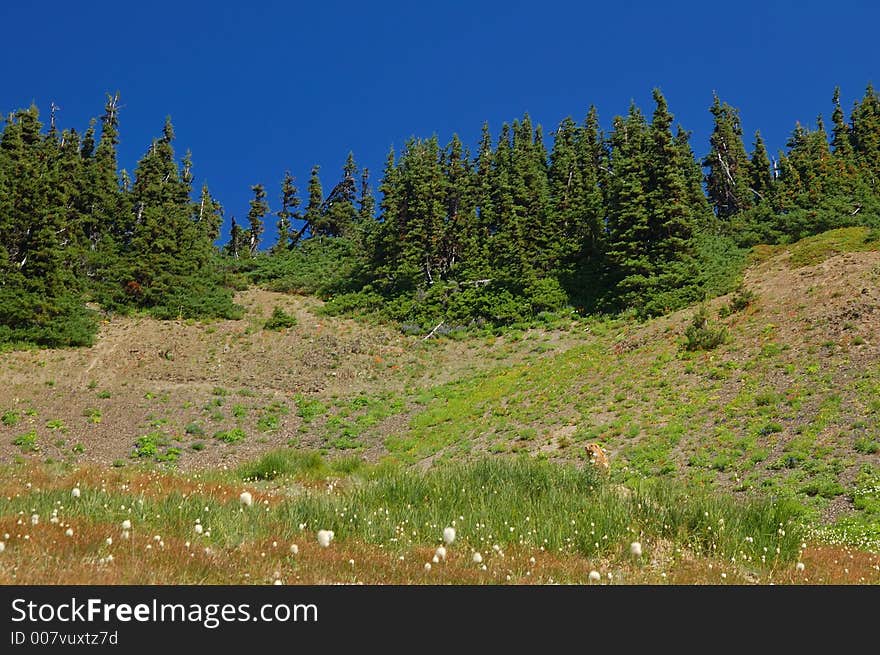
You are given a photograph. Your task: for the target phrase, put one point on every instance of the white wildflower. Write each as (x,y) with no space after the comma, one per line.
(440,552)
(246,499)
(325,537)
(477,558)
(75,492)
(294,549)
(635,549)
(449,535)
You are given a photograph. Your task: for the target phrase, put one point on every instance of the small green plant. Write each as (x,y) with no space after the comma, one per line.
(866,446)
(27,441)
(93,384)
(280,320)
(79,449)
(93,414)
(268,423)
(197,446)
(10,418)
(701,335)
(740,301)
(170,455)
(56,424)
(195,429)
(104,394)
(230,436)
(308,410)
(239,411)
(118,463)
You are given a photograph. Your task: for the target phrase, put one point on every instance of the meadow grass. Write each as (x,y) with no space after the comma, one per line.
(494,503)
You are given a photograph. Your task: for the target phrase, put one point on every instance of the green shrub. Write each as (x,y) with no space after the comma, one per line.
(701,335)
(230,436)
(280,320)
(27,441)
(10,417)
(194,429)
(740,300)
(866,446)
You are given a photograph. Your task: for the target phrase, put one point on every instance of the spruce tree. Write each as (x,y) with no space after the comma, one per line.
(675,214)
(760,176)
(258,210)
(629,233)
(339,215)
(314,209)
(727,179)
(288,212)
(866,136)
(209,217)
(842,139)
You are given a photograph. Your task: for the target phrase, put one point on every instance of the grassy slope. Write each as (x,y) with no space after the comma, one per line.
(787,408)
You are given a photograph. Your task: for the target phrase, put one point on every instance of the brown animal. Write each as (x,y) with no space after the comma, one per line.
(597,456)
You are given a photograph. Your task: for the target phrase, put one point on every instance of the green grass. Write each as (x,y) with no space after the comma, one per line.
(10,418)
(230,436)
(816,249)
(27,441)
(495,501)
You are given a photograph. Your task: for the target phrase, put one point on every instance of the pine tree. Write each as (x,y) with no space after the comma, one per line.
(565,178)
(760,176)
(167,247)
(289,203)
(314,211)
(727,180)
(866,136)
(593,162)
(629,232)
(236,240)
(366,201)
(339,215)
(675,212)
(258,210)
(842,139)
(209,217)
(459,244)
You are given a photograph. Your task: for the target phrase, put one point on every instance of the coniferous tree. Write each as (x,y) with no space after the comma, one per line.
(727,180)
(167,247)
(629,232)
(842,139)
(866,136)
(314,211)
(459,243)
(258,210)
(288,212)
(675,213)
(760,174)
(339,215)
(366,201)
(209,216)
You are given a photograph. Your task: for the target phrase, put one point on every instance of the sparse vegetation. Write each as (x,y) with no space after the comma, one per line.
(280,320)
(701,334)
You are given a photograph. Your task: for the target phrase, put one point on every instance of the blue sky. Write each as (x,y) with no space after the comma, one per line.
(257,88)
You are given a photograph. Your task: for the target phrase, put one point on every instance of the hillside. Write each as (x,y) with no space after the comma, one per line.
(788,406)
